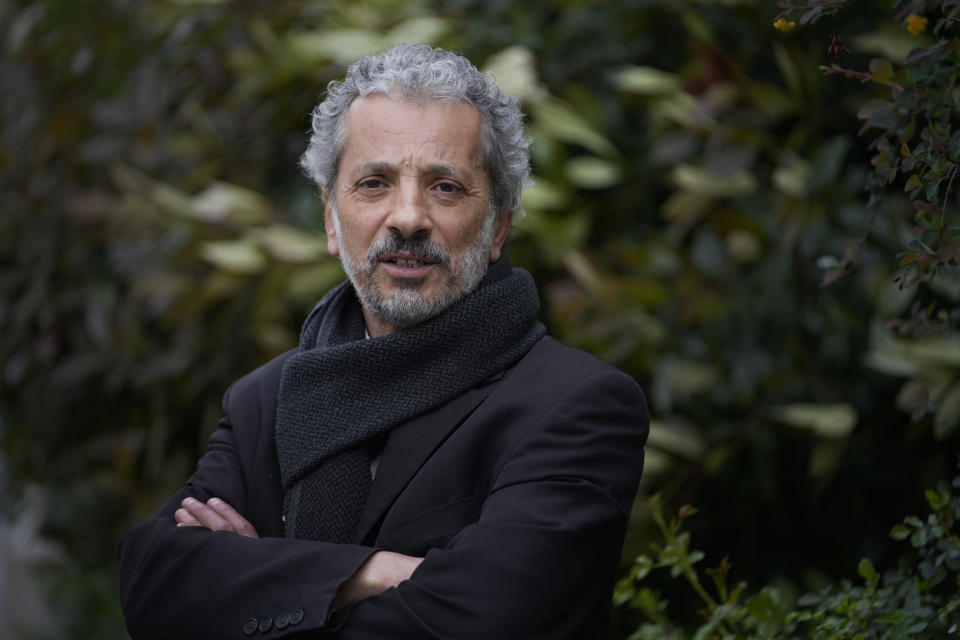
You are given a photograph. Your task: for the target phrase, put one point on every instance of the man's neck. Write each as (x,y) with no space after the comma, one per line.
(376,327)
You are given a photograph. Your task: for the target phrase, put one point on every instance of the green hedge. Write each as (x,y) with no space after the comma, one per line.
(698,178)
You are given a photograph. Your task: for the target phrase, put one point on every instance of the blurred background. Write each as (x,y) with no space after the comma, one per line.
(706,215)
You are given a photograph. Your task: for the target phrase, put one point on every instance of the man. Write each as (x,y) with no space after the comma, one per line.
(426,464)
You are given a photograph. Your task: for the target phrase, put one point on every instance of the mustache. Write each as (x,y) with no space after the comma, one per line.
(417,245)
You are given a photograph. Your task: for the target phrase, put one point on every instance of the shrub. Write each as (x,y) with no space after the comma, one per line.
(920,598)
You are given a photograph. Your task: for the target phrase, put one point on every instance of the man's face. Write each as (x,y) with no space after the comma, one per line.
(410,217)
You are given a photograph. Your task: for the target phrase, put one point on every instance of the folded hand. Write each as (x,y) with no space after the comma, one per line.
(381,571)
(215,515)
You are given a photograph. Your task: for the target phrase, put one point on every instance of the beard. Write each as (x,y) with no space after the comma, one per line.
(406,306)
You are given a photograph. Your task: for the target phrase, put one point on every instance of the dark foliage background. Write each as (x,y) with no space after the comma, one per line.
(696,177)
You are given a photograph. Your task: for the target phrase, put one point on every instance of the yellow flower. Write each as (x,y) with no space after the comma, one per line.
(783,25)
(915,24)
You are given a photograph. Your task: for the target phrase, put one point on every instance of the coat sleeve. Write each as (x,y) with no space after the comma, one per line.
(190,582)
(541,560)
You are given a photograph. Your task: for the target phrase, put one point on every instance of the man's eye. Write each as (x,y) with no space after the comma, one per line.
(447,187)
(371,183)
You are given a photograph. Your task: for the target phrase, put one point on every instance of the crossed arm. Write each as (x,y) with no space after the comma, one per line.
(381,571)
(197,569)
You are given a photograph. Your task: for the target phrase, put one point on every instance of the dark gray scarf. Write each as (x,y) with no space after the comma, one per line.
(341,392)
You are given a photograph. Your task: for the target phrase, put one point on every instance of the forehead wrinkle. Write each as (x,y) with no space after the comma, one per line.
(385,167)
(376,166)
(441,169)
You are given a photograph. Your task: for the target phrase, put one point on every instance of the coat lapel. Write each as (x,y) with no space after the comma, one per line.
(408,447)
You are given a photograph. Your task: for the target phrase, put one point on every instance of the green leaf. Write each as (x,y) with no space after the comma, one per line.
(874,108)
(793,177)
(677,438)
(704,182)
(646,81)
(696,24)
(559,120)
(907,258)
(891,43)
(623,592)
(929,207)
(236,256)
(225,202)
(515,71)
(764,605)
(826,420)
(744,246)
(419,30)
(169,199)
(737,592)
(868,573)
(937,500)
(881,70)
(908,357)
(676,378)
(685,207)
(917,53)
(811,15)
(339,45)
(919,538)
(828,161)
(310,281)
(543,195)
(773,100)
(828,262)
(826,457)
(900,532)
(788,69)
(641,567)
(948,415)
(556,235)
(590,172)
(656,462)
(289,244)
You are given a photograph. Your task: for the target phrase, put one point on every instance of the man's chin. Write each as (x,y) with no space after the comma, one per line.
(405,284)
(405,307)
(405,315)
(404,302)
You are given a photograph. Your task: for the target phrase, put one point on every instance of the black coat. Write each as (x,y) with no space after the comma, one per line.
(517,492)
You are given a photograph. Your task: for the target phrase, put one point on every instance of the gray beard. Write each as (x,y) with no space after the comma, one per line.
(406,306)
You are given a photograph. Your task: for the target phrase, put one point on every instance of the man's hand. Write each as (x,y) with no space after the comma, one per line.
(382,570)
(215,515)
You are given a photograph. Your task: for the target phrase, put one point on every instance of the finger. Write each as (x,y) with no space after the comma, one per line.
(185,519)
(237,523)
(206,516)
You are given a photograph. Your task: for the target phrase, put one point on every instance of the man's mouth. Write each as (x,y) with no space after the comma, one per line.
(406,260)
(408,263)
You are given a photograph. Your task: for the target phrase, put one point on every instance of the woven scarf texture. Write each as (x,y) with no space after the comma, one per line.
(341,392)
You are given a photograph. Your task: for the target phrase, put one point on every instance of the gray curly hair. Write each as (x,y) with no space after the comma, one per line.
(419,72)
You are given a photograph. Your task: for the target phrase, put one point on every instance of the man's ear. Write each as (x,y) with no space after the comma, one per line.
(333,244)
(501,229)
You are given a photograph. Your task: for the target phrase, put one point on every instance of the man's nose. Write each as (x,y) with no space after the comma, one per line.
(409,211)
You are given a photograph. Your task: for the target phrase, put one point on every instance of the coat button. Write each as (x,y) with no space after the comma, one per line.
(296,617)
(265,624)
(250,626)
(283,621)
